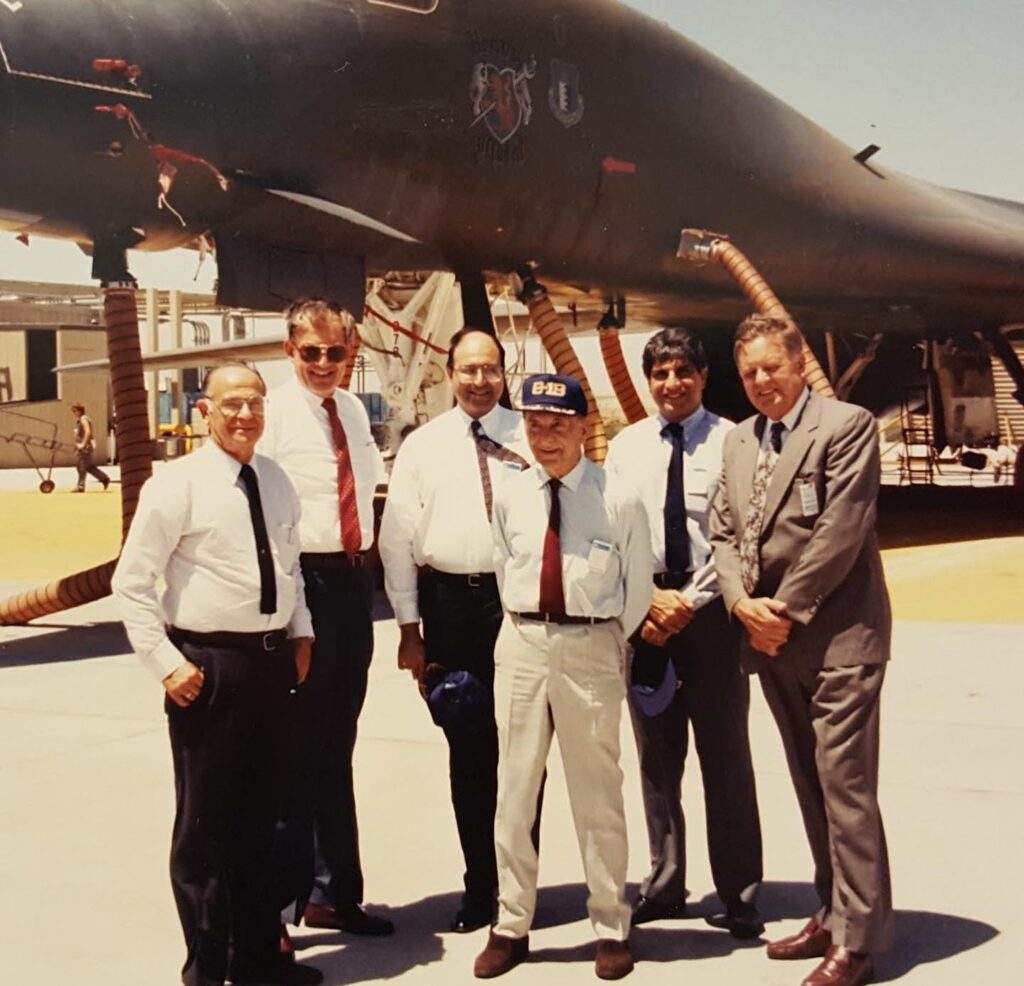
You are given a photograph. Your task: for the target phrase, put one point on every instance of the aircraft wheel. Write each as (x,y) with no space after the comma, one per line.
(47,486)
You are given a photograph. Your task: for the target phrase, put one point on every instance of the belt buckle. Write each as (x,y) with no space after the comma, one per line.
(358,559)
(473,580)
(548,619)
(268,641)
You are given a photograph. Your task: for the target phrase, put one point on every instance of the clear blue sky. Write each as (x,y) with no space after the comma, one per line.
(939,84)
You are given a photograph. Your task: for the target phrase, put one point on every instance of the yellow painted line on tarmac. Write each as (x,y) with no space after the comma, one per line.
(965,582)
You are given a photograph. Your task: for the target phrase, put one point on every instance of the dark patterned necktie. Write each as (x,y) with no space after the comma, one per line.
(488,447)
(268,584)
(677,538)
(348,511)
(750,548)
(552,594)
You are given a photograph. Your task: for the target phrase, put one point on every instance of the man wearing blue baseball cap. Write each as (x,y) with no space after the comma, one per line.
(573,563)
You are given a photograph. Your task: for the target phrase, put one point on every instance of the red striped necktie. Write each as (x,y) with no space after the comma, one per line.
(348,511)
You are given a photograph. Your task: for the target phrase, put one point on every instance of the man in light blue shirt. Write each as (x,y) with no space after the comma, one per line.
(685,671)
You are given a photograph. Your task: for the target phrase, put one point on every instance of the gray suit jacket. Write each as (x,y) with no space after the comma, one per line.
(819,553)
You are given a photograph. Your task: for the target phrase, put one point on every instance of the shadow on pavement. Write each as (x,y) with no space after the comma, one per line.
(922,937)
(60,643)
(916,515)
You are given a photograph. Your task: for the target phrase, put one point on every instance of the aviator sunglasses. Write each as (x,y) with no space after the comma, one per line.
(312,354)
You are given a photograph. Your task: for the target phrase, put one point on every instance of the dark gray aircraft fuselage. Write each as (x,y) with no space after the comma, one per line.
(478,135)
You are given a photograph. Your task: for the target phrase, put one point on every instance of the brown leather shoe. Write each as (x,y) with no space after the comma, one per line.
(613,959)
(500,955)
(810,942)
(286,948)
(841,967)
(354,919)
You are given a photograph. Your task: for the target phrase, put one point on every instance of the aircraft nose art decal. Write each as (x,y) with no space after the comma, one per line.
(501,98)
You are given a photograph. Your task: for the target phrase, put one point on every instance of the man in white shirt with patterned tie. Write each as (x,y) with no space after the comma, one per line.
(672,460)
(573,561)
(229,639)
(320,436)
(438,553)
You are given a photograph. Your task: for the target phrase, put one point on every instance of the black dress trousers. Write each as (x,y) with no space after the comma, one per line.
(230,756)
(340,600)
(460,626)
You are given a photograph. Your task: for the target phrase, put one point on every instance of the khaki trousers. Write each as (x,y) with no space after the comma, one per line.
(569,681)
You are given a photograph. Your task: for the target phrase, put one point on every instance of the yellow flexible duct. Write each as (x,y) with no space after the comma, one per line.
(556,342)
(135,454)
(700,246)
(350,363)
(618,374)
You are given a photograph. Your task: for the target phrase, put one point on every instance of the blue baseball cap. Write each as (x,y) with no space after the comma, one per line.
(553,392)
(460,702)
(653,680)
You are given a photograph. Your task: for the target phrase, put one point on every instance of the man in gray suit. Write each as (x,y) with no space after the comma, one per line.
(793,533)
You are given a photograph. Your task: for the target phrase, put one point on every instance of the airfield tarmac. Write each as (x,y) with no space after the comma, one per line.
(86,798)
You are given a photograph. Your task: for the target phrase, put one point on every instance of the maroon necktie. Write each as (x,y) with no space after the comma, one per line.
(552,596)
(348,511)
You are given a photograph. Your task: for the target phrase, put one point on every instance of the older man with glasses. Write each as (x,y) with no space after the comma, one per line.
(320,436)
(229,639)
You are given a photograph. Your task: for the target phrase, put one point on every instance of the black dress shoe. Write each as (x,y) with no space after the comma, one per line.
(742,921)
(352,919)
(283,973)
(645,910)
(471,916)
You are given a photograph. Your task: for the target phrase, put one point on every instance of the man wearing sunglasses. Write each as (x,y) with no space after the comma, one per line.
(320,436)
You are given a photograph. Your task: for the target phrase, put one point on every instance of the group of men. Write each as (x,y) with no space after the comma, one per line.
(534,592)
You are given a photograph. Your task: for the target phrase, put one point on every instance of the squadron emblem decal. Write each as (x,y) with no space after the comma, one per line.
(564,95)
(501,98)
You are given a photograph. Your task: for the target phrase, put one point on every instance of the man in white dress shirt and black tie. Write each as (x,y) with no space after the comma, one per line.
(573,562)
(320,436)
(687,652)
(229,639)
(438,554)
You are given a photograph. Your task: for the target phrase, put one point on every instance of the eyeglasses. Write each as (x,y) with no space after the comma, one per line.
(312,354)
(469,374)
(232,406)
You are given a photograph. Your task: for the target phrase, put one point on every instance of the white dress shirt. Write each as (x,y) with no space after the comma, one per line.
(789,421)
(606,546)
(193,527)
(435,513)
(298,438)
(639,458)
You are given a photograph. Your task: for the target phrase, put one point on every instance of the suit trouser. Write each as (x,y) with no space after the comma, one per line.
(460,624)
(84,466)
(829,721)
(564,680)
(714,698)
(340,600)
(228,749)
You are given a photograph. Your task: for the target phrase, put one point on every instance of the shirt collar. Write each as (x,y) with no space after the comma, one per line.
(489,422)
(792,416)
(571,479)
(226,464)
(687,423)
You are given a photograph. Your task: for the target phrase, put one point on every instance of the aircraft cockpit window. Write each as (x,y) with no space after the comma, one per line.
(413,6)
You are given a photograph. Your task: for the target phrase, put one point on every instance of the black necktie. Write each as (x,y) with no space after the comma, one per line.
(775,436)
(268,585)
(677,540)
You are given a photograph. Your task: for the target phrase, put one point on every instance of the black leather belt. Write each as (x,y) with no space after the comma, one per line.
(269,641)
(671,580)
(332,559)
(562,619)
(474,580)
